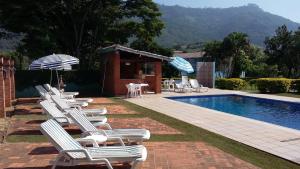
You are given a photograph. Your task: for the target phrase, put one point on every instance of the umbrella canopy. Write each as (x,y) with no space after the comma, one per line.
(54,62)
(182,64)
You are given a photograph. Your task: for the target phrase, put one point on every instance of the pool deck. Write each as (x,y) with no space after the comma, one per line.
(280,141)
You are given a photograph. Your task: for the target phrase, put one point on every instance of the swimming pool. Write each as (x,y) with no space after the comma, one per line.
(282,113)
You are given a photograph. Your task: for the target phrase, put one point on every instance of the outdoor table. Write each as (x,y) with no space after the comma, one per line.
(144,85)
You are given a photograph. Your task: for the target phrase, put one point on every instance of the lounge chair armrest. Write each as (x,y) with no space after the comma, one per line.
(106,125)
(87,133)
(64,118)
(119,139)
(70,93)
(67,96)
(88,156)
(72,106)
(85,140)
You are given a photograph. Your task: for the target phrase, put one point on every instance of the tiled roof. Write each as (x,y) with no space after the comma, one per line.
(130,50)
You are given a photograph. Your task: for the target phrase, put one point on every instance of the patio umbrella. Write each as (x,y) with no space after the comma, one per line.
(182,64)
(54,62)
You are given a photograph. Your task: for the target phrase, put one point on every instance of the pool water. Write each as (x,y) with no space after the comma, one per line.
(282,113)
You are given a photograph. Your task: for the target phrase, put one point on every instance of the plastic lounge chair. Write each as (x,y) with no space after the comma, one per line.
(51,110)
(180,87)
(46,96)
(197,87)
(129,135)
(64,95)
(48,88)
(71,153)
(65,106)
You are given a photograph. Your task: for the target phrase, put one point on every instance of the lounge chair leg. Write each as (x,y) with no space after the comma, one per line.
(134,165)
(108,164)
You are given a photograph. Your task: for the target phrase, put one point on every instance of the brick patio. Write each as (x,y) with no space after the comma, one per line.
(161,155)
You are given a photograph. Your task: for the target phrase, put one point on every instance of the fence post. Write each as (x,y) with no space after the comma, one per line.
(2,93)
(7,83)
(12,79)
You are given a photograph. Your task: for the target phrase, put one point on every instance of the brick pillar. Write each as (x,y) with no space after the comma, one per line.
(2,94)
(12,79)
(116,73)
(157,87)
(7,83)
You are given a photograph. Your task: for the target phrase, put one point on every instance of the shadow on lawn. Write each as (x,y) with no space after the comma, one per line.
(38,132)
(44,150)
(35,122)
(36,111)
(26,132)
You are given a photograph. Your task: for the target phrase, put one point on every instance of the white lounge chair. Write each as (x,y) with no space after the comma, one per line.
(51,110)
(65,106)
(197,87)
(46,96)
(48,87)
(180,87)
(71,153)
(88,129)
(64,95)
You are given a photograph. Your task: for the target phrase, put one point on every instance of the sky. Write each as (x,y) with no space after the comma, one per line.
(287,8)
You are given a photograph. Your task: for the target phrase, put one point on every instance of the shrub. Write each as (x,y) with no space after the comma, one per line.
(295,85)
(273,85)
(231,83)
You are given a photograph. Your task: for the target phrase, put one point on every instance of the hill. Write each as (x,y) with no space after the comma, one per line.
(189,25)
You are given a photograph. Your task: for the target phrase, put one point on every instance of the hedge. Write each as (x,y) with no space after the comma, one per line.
(295,85)
(231,83)
(88,83)
(273,85)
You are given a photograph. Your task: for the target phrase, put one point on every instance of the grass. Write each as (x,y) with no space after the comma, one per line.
(193,133)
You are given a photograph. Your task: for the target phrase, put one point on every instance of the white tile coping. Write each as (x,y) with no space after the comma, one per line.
(278,140)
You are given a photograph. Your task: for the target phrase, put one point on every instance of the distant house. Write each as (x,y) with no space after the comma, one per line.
(192,57)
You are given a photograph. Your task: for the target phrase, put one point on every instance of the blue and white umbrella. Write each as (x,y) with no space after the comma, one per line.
(182,64)
(54,62)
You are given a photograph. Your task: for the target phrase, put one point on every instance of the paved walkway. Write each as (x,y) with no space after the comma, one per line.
(277,140)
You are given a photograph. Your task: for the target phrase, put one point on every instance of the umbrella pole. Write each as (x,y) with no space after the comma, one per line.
(57,80)
(50,77)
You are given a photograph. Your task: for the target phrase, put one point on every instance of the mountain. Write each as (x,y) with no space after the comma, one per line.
(189,25)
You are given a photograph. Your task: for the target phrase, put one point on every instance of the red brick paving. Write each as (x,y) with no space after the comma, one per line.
(114,109)
(102,100)
(155,127)
(31,127)
(163,155)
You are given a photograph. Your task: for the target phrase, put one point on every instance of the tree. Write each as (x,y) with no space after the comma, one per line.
(279,48)
(235,47)
(230,54)
(79,27)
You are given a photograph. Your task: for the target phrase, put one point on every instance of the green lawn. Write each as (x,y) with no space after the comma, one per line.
(190,133)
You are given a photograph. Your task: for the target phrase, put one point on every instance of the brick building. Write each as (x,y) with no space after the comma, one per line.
(122,65)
